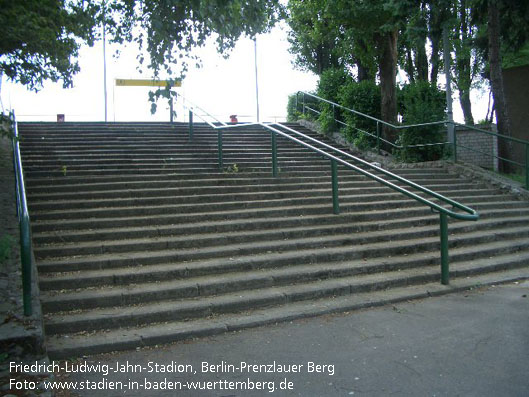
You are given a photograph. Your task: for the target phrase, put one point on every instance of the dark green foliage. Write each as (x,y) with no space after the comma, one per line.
(40,39)
(6,129)
(518,58)
(330,82)
(310,102)
(421,102)
(329,86)
(314,37)
(327,119)
(6,245)
(364,97)
(293,111)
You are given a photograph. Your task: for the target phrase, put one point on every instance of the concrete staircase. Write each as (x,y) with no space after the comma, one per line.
(140,239)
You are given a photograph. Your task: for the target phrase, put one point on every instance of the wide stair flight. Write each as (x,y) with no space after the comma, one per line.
(140,239)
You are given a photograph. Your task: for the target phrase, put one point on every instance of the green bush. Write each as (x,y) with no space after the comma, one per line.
(331,80)
(6,244)
(363,97)
(329,86)
(421,102)
(293,112)
(327,119)
(6,126)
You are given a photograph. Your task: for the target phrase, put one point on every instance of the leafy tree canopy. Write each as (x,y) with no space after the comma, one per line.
(40,39)
(314,37)
(167,31)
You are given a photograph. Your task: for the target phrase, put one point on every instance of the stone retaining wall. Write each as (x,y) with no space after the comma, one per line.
(477,148)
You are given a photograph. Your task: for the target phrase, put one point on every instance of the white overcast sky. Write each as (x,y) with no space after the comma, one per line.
(222,86)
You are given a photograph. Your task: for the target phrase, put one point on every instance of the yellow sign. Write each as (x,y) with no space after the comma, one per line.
(146,83)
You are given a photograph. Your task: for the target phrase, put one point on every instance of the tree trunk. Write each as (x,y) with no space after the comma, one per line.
(319,61)
(363,72)
(463,65)
(435,32)
(421,62)
(388,80)
(436,40)
(496,80)
(409,66)
(466,106)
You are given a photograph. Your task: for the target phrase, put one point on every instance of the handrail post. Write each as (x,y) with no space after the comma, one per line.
(527,166)
(445,271)
(171,111)
(25,258)
(15,168)
(378,137)
(190,125)
(454,143)
(274,154)
(335,200)
(219,141)
(297,104)
(303,103)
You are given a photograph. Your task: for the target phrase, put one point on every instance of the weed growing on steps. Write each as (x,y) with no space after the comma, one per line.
(64,169)
(232,169)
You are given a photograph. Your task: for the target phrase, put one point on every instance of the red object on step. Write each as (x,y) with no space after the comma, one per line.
(233,118)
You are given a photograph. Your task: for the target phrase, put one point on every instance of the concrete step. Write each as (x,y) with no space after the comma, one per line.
(66,346)
(317,281)
(244,162)
(170,197)
(246,186)
(64,184)
(257,208)
(261,217)
(134,316)
(156,242)
(285,252)
(154,273)
(34,173)
(323,222)
(221,177)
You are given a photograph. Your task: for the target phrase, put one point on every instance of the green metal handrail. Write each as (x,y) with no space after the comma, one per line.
(498,136)
(444,213)
(24,223)
(378,121)
(454,124)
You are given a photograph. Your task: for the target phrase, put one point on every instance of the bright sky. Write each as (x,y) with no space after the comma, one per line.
(222,86)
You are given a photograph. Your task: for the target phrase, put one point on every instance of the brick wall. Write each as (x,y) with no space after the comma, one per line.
(486,145)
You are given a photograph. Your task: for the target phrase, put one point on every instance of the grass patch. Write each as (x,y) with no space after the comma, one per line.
(520,178)
(6,244)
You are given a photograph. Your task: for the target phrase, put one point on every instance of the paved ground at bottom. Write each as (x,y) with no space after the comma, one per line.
(468,344)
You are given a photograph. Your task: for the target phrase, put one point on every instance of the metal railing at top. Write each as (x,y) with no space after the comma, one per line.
(26,250)
(453,124)
(276,129)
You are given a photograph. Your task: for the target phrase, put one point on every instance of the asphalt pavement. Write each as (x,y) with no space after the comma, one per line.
(474,343)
